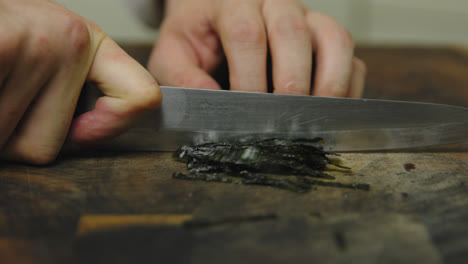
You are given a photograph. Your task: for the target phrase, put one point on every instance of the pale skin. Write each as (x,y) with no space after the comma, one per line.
(47,53)
(197,34)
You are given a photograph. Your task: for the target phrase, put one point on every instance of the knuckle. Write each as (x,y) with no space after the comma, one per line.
(334,32)
(10,45)
(338,89)
(41,50)
(77,32)
(289,27)
(343,36)
(245,30)
(148,98)
(294,86)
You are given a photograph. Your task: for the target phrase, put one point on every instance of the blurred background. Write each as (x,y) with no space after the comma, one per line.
(371,22)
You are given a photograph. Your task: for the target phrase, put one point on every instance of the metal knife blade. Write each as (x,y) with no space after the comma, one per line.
(193,116)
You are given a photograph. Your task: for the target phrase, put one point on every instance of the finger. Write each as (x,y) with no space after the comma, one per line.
(187,50)
(17,92)
(176,62)
(334,49)
(243,36)
(10,48)
(358,78)
(129,93)
(290,46)
(43,128)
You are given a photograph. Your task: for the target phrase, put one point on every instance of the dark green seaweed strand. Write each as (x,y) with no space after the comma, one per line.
(254,179)
(358,186)
(209,177)
(302,184)
(259,179)
(318,174)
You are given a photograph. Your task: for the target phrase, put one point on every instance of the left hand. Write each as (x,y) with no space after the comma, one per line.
(47,53)
(195,33)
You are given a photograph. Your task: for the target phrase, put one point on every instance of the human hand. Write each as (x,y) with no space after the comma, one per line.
(195,33)
(47,53)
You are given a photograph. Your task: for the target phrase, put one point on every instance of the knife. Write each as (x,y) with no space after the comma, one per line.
(194,116)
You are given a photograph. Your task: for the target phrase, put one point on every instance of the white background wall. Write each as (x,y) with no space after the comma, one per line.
(114,16)
(401,21)
(423,22)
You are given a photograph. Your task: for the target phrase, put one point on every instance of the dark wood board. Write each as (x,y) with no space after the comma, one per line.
(126,208)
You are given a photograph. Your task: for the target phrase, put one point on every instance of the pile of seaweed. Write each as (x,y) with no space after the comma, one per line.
(294,165)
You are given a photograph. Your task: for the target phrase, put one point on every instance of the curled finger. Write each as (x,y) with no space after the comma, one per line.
(42,130)
(290,46)
(187,50)
(31,71)
(243,36)
(334,49)
(358,77)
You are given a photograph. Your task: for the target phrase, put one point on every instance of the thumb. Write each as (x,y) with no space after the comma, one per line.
(129,93)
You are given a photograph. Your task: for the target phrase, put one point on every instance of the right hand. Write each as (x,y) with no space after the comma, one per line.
(197,35)
(47,53)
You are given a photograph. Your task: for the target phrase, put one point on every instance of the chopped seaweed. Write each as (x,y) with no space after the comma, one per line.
(258,179)
(261,162)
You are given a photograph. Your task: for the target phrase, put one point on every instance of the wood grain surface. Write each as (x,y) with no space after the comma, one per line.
(109,207)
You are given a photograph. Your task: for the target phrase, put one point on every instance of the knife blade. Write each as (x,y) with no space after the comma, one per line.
(194,116)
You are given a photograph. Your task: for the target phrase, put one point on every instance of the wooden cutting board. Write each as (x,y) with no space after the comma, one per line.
(126,208)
